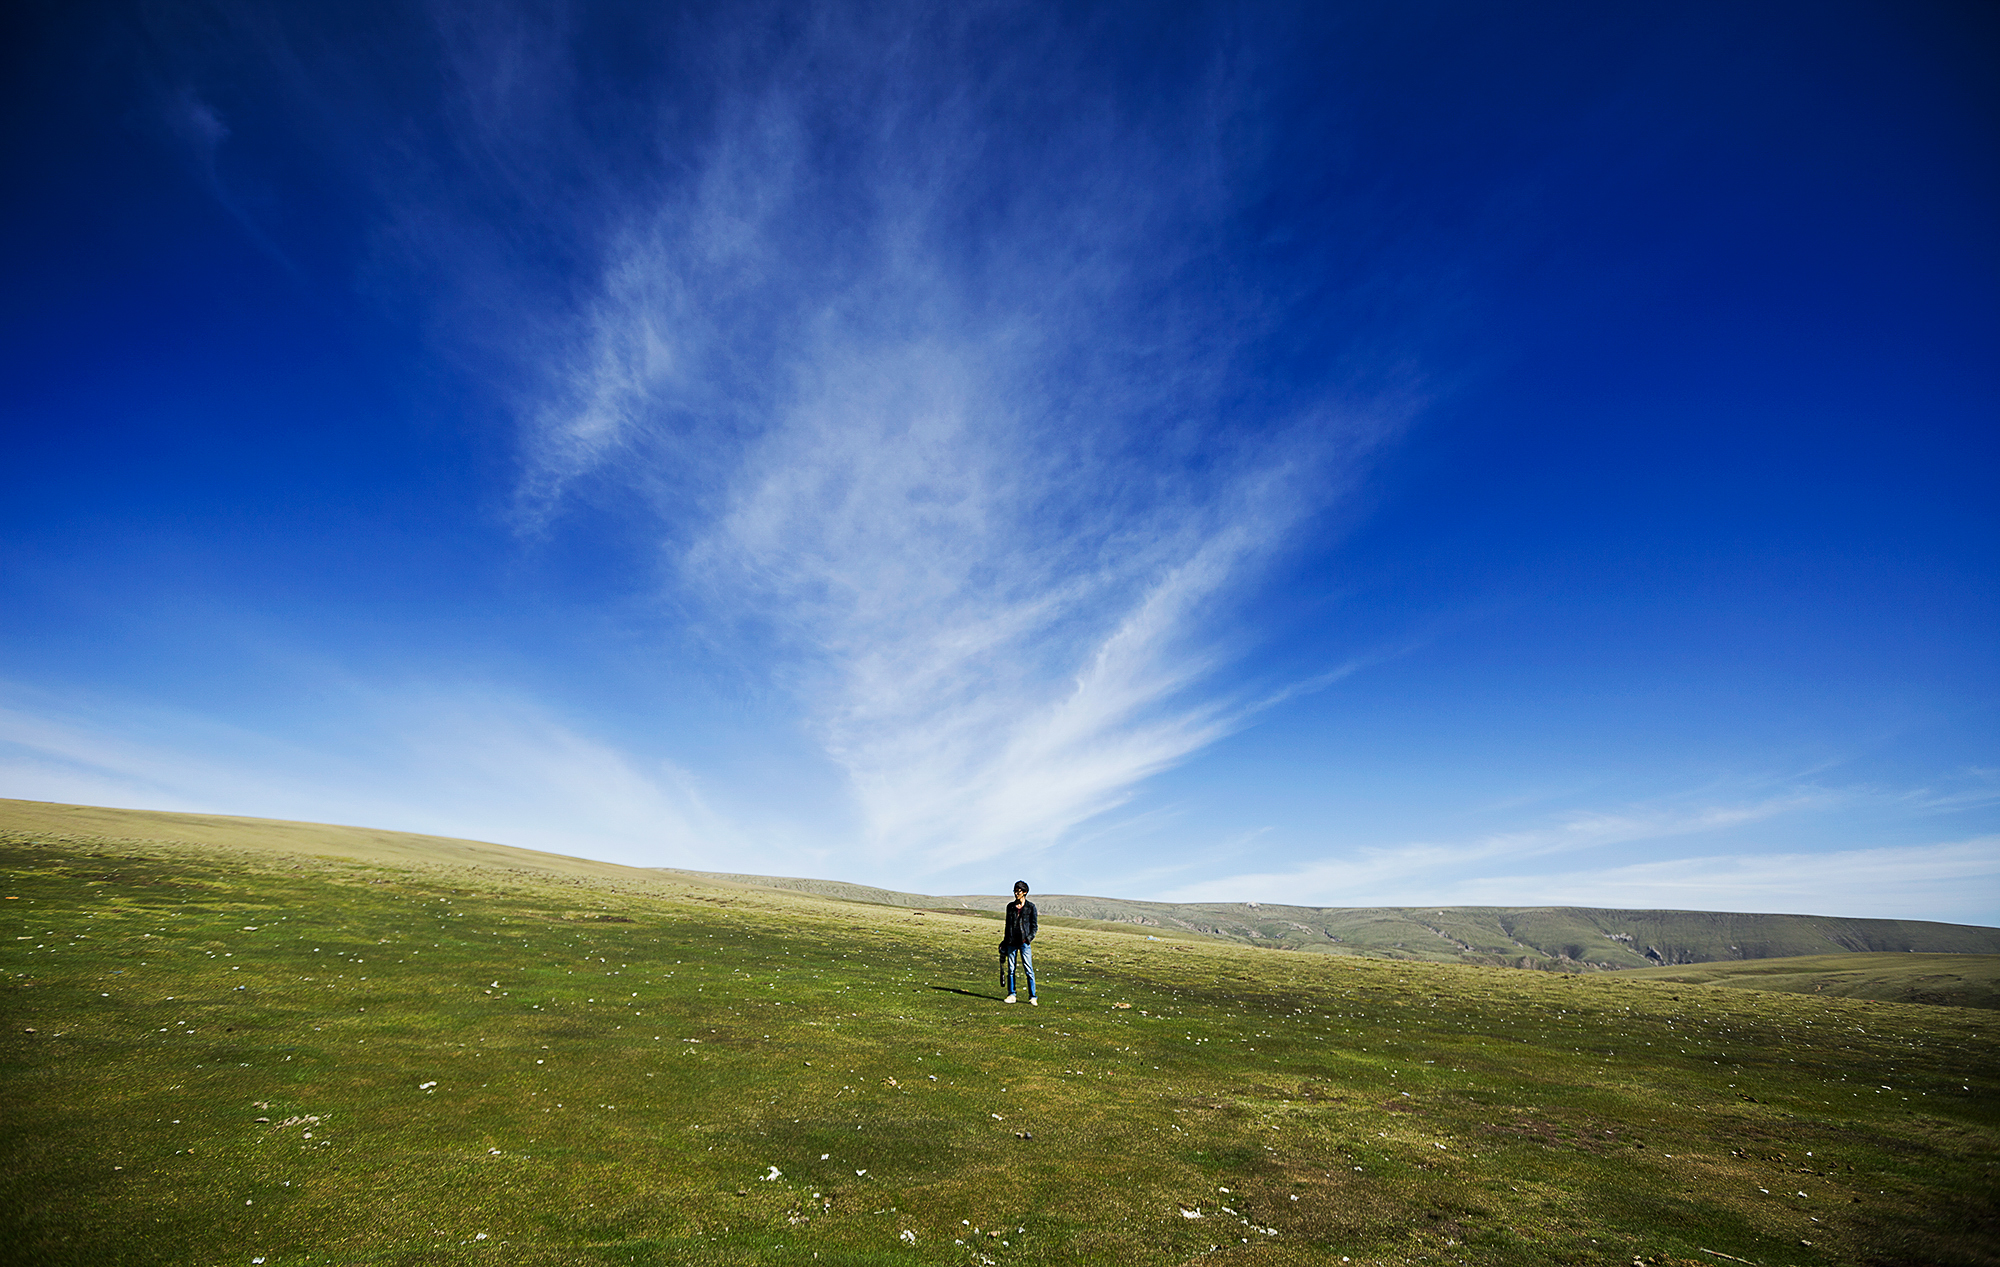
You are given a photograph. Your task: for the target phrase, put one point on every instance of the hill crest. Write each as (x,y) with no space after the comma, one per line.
(1553,938)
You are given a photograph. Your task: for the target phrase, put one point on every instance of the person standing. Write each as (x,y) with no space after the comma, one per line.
(1022,924)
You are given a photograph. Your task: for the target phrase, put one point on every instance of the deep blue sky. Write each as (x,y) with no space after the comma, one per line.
(1351,453)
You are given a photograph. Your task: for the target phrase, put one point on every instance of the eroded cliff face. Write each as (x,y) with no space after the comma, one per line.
(1667,958)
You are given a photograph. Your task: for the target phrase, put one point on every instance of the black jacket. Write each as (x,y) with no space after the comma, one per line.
(1021,926)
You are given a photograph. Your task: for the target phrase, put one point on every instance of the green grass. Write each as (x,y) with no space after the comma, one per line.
(1953,980)
(652,1048)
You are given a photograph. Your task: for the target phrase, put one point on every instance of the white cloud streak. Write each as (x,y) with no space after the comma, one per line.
(1562,864)
(472,764)
(965,475)
(1427,872)
(1957,881)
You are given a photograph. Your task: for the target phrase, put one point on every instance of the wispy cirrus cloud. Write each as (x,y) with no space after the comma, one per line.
(1954,881)
(468,762)
(1428,872)
(1699,851)
(955,433)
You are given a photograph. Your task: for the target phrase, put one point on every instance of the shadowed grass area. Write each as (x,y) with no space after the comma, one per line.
(453,1062)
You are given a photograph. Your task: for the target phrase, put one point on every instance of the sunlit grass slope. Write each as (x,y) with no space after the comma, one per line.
(216,1055)
(1957,980)
(271,835)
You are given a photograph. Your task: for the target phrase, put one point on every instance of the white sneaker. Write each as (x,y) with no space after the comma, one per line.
(1033,1001)
(1010,999)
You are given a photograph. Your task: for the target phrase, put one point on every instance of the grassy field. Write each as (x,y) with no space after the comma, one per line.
(1953,980)
(233,1054)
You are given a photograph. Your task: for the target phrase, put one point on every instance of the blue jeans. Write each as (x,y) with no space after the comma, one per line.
(1026,955)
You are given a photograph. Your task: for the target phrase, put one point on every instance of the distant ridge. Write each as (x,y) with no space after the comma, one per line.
(1558,938)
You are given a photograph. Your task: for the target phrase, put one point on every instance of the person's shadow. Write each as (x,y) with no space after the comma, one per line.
(970,994)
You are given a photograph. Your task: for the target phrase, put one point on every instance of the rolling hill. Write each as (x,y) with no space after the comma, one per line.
(1555,938)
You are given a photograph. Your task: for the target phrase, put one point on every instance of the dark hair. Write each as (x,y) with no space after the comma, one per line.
(1020,886)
